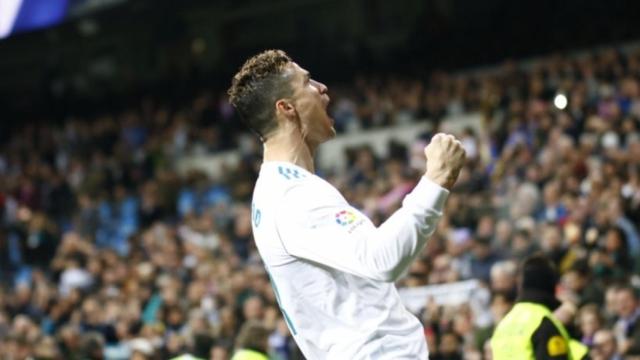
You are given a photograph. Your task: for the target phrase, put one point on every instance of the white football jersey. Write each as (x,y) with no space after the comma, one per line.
(333,271)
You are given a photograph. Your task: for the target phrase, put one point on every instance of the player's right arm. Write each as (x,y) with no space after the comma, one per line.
(316,224)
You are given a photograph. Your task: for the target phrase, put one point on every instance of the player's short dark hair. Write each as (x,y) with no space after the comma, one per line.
(259,83)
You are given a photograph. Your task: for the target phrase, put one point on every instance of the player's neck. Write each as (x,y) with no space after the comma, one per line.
(289,147)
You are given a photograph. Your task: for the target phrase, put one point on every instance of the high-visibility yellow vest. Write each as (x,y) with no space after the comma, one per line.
(511,339)
(244,354)
(186,357)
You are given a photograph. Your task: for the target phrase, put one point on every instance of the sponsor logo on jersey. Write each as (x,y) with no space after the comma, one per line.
(349,220)
(345,217)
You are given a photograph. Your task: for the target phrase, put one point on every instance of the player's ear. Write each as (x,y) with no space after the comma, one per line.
(285,110)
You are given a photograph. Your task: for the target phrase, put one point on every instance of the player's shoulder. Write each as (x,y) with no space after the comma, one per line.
(282,173)
(291,173)
(276,179)
(290,183)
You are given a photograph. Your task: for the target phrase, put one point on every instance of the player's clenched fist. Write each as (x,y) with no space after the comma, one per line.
(445,157)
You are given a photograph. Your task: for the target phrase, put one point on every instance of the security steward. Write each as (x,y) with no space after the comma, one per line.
(252,342)
(530,330)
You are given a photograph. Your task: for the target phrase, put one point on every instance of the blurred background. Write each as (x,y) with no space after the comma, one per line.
(126,177)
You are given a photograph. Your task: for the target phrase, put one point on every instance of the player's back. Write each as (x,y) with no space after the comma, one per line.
(332,313)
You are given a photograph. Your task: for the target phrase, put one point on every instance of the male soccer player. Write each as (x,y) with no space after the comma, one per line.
(332,270)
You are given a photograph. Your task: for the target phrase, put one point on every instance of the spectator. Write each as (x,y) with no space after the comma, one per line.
(604,346)
(579,287)
(449,347)
(504,276)
(627,328)
(589,322)
(481,260)
(92,346)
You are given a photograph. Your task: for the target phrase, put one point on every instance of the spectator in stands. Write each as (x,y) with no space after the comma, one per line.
(627,327)
(504,276)
(449,347)
(92,346)
(589,322)
(6,263)
(579,287)
(604,346)
(481,260)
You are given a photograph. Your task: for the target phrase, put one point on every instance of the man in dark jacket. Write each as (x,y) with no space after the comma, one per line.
(627,327)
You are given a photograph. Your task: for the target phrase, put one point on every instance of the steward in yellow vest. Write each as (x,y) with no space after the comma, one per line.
(530,330)
(245,354)
(252,342)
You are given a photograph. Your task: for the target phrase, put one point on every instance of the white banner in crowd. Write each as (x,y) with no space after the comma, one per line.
(463,292)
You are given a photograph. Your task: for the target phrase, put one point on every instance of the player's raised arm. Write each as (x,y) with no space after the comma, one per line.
(318,225)
(445,157)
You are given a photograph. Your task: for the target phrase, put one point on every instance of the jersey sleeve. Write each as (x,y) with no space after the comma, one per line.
(317,224)
(548,343)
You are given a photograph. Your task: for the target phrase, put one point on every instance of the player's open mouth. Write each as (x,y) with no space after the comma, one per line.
(325,100)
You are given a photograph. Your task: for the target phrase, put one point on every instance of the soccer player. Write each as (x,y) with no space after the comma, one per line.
(331,269)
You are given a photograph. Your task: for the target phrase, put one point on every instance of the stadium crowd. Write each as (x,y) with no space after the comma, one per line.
(106,252)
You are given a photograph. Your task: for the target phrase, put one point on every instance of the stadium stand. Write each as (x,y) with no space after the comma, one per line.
(106,251)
